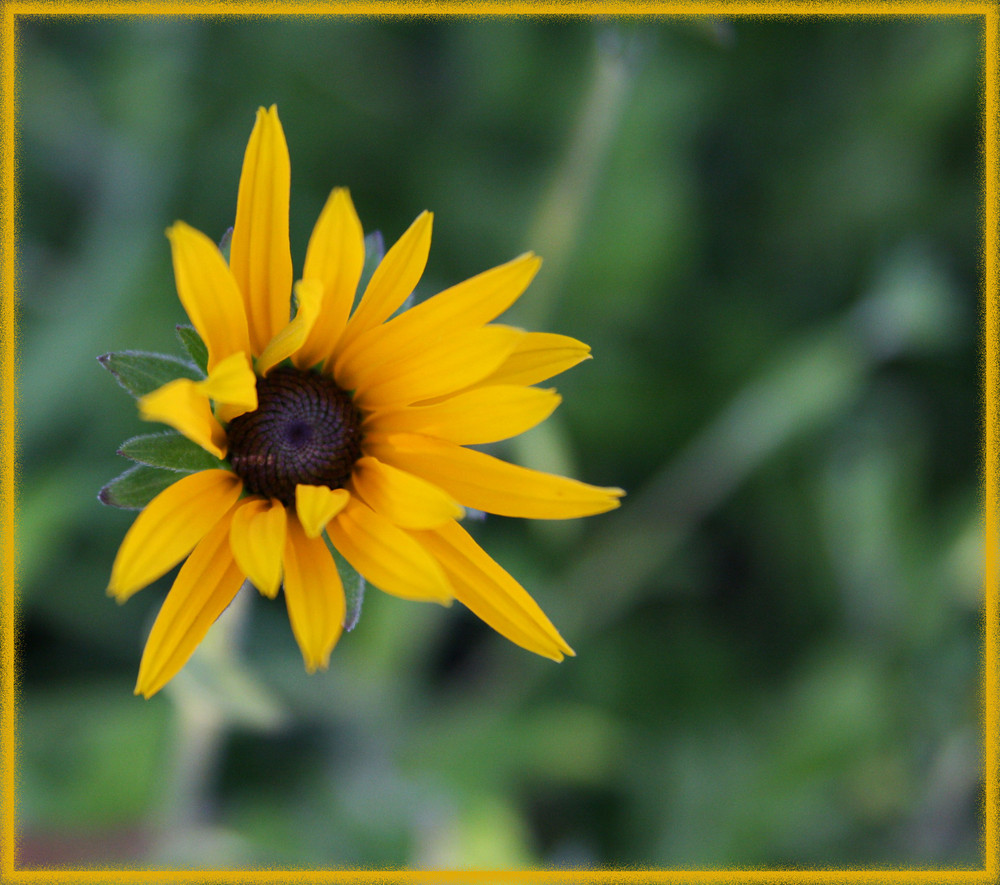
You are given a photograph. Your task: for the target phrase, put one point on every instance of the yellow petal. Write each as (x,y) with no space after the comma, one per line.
(480,415)
(317,505)
(260,256)
(394,279)
(209,293)
(233,386)
(537,357)
(184,406)
(169,527)
(405,499)
(387,556)
(446,367)
(308,294)
(335,257)
(314,595)
(459,309)
(490,593)
(205,585)
(257,539)
(481,481)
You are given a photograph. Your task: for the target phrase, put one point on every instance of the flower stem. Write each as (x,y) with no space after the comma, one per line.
(202,722)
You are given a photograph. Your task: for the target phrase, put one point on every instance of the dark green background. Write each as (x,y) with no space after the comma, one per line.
(767,230)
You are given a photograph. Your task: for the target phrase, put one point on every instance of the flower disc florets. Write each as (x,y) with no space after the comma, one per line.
(305,431)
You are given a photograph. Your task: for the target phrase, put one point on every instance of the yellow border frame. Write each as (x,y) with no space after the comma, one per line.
(990,14)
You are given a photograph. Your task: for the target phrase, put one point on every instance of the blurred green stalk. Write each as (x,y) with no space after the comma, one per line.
(212,694)
(804,389)
(555,231)
(562,211)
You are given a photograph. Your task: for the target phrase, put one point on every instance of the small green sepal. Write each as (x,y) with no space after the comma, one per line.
(354,588)
(195,347)
(374,253)
(137,486)
(226,243)
(171,450)
(141,373)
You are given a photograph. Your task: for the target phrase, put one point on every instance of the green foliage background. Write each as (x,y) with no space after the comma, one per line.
(768,231)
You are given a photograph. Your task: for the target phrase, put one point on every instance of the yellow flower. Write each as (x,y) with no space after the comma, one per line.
(341,427)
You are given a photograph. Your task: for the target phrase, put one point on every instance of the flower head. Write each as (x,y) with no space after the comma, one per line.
(329,428)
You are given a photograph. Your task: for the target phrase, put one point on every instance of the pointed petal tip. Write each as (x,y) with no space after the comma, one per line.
(120,595)
(612,502)
(423,223)
(558,653)
(424,220)
(558,649)
(146,692)
(342,196)
(315,664)
(177,228)
(272,116)
(270,592)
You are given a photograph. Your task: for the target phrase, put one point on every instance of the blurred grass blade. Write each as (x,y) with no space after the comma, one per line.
(806,387)
(563,209)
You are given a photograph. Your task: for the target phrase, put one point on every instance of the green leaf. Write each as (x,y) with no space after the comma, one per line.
(137,486)
(171,450)
(354,588)
(195,347)
(141,373)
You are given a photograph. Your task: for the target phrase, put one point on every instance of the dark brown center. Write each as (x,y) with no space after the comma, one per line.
(305,431)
